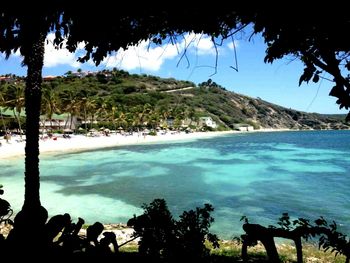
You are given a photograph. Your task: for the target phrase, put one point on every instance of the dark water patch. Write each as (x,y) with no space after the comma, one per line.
(178,190)
(275,198)
(223,162)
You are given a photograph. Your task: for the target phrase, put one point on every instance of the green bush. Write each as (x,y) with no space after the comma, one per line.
(163,238)
(152,133)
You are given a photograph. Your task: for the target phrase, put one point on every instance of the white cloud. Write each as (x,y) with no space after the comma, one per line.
(204,46)
(17,53)
(152,57)
(141,56)
(144,55)
(231,44)
(54,57)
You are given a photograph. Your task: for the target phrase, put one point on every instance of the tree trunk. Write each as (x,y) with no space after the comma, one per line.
(3,121)
(19,124)
(85,119)
(28,233)
(33,102)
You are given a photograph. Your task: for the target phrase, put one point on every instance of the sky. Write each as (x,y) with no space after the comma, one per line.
(193,58)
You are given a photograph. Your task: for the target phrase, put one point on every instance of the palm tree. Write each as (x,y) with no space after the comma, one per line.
(154,119)
(179,113)
(192,114)
(90,108)
(164,112)
(70,104)
(146,113)
(2,104)
(87,106)
(122,119)
(49,101)
(15,101)
(113,111)
(102,105)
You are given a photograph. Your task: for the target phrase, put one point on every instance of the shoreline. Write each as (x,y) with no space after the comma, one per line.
(77,143)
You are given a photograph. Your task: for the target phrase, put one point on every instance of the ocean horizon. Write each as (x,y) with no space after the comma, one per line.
(257,175)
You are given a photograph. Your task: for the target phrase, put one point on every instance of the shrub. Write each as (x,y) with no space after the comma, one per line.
(162,237)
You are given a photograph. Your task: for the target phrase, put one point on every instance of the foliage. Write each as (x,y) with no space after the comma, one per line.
(193,230)
(329,238)
(311,39)
(5,208)
(156,229)
(162,237)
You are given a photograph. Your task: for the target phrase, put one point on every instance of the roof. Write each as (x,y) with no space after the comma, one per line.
(9,112)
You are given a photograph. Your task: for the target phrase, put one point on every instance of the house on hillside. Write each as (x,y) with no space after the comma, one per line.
(7,79)
(207,121)
(49,78)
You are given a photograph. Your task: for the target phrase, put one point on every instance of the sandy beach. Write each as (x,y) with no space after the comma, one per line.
(15,147)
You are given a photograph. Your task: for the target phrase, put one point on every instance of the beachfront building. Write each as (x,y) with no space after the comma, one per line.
(207,121)
(243,127)
(59,122)
(170,122)
(200,123)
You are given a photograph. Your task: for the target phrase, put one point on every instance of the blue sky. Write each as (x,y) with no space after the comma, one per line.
(276,83)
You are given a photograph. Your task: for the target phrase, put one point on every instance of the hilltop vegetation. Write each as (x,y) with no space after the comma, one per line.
(117,98)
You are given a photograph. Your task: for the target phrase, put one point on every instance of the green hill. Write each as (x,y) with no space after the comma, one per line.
(136,100)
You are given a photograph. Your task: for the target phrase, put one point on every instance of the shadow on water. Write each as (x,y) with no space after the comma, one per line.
(181,191)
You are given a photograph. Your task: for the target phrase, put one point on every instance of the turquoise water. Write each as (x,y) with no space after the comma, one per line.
(259,175)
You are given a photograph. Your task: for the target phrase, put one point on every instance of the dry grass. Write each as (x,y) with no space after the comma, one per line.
(287,252)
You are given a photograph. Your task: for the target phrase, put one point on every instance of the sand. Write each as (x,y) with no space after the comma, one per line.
(15,147)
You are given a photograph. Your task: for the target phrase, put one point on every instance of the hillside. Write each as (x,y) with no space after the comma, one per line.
(120,96)
(230,108)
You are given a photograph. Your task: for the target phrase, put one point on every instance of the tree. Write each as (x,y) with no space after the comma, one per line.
(50,102)
(70,104)
(2,104)
(14,100)
(314,39)
(162,237)
(18,30)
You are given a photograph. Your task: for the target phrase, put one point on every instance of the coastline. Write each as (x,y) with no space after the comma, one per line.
(62,145)
(15,148)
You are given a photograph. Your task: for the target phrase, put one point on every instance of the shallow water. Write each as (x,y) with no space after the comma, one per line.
(259,175)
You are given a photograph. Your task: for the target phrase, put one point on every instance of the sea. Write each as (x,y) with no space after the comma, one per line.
(258,175)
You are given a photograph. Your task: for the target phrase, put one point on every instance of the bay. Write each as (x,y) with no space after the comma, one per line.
(258,175)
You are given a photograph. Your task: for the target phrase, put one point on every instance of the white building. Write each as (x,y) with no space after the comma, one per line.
(243,127)
(59,122)
(207,121)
